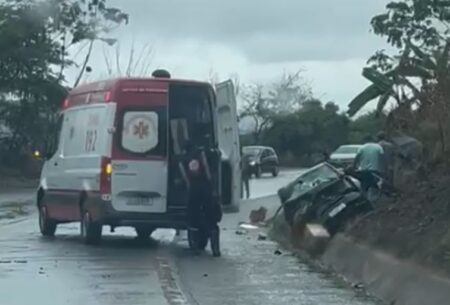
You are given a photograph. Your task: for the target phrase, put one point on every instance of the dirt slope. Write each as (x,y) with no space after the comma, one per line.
(414,226)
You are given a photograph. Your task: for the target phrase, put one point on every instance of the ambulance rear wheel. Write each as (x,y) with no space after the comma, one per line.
(91,232)
(47,226)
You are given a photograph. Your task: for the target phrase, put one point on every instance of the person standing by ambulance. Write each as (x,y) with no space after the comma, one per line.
(204,209)
(245,172)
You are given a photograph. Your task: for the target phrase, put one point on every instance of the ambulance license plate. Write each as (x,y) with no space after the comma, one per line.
(140,201)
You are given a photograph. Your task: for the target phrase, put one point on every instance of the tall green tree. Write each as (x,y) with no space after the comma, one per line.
(35,40)
(263,103)
(313,129)
(419,29)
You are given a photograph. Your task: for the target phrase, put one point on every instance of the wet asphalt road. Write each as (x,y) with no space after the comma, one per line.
(35,270)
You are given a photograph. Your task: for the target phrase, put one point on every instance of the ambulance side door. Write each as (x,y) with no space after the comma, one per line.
(228,139)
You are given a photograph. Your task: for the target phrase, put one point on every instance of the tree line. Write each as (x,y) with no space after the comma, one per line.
(37,40)
(410,85)
(301,128)
(413,79)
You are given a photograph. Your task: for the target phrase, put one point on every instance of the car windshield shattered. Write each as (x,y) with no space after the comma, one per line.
(313,179)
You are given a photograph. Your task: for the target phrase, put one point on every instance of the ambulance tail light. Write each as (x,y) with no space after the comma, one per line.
(107,96)
(105,176)
(65,104)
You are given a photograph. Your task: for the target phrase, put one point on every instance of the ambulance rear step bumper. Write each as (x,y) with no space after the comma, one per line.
(173,218)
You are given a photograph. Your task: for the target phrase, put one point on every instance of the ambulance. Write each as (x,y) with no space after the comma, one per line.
(113,157)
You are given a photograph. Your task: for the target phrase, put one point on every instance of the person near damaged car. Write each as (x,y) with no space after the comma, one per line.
(369,161)
(370,157)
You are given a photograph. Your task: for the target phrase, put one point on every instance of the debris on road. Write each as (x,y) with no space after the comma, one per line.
(262,236)
(315,238)
(20,261)
(278,252)
(5,262)
(241,232)
(258,216)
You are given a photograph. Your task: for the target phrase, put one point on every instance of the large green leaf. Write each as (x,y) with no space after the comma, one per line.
(383,101)
(427,60)
(383,82)
(410,85)
(442,61)
(370,93)
(415,70)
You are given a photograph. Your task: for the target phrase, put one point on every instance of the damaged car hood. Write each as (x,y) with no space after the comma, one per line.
(309,182)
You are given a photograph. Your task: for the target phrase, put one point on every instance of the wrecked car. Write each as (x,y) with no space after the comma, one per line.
(323,195)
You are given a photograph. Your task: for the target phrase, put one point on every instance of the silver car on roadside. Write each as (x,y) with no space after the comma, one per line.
(344,156)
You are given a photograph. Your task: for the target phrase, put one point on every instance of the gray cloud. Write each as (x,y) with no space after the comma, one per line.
(264,31)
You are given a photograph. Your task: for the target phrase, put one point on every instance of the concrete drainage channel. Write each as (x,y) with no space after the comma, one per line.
(393,281)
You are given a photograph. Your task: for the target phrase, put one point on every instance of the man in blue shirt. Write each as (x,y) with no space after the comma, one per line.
(369,161)
(370,157)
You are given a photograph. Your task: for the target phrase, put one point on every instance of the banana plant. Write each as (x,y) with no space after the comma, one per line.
(413,63)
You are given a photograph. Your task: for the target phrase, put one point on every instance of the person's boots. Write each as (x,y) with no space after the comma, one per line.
(215,242)
(193,240)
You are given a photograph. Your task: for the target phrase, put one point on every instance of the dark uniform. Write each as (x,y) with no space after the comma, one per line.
(204,209)
(245,168)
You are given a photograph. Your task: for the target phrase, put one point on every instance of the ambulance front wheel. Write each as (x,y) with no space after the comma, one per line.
(47,226)
(91,232)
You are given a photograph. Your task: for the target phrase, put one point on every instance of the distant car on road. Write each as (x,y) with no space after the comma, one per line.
(263,159)
(344,156)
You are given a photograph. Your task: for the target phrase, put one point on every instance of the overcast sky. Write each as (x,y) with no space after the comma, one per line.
(256,39)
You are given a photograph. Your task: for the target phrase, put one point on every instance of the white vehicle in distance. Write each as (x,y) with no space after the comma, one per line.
(344,156)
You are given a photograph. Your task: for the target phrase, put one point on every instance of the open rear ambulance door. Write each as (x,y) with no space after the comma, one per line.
(228,138)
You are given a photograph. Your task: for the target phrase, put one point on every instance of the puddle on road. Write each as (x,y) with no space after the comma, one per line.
(13,209)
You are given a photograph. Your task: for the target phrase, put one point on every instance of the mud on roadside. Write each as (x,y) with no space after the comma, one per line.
(399,252)
(415,226)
